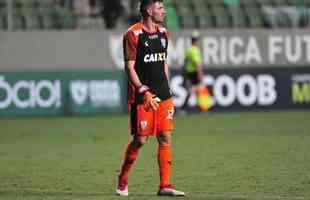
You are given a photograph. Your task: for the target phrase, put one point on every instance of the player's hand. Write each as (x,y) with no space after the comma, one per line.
(150,101)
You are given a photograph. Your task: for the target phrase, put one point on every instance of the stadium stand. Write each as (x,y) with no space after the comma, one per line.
(182,14)
(173,21)
(2,16)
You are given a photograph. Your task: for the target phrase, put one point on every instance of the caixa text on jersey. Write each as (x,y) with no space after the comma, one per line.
(155,57)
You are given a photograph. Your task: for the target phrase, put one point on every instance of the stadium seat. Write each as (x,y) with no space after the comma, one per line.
(32,21)
(204,16)
(64,18)
(3,25)
(23,15)
(237,16)
(2,6)
(18,21)
(296,2)
(254,16)
(280,2)
(18,5)
(44,11)
(215,2)
(264,2)
(199,3)
(187,17)
(248,2)
(304,18)
(47,21)
(221,16)
(205,21)
(31,15)
(48,14)
(3,16)
(181,2)
(172,20)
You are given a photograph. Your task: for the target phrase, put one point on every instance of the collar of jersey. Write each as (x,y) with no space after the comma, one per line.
(145,29)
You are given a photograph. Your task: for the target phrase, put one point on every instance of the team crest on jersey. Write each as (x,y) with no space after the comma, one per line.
(163,42)
(170,114)
(143,124)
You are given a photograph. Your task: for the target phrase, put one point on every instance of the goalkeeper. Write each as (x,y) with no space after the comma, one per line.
(150,102)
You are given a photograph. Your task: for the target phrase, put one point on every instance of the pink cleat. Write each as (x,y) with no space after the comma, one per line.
(122,188)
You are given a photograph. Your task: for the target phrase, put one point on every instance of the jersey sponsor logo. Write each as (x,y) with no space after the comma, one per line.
(26,94)
(154,57)
(152,37)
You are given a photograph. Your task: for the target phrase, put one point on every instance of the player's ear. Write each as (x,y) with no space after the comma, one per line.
(149,10)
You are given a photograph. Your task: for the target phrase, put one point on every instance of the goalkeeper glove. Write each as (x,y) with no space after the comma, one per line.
(150,100)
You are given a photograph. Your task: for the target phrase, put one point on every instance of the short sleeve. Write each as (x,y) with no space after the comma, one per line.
(130,46)
(197,57)
(194,55)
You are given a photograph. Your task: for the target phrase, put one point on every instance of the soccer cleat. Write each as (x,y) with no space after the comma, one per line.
(122,188)
(169,191)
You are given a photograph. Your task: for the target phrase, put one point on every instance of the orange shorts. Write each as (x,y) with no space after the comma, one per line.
(145,123)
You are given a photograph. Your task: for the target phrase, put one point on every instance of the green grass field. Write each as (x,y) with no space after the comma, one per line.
(263,155)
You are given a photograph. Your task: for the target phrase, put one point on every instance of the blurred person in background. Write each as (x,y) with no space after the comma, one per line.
(193,69)
(134,15)
(82,10)
(111,12)
(150,102)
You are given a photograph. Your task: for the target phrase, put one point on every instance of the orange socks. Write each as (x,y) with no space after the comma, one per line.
(130,156)
(164,161)
(164,157)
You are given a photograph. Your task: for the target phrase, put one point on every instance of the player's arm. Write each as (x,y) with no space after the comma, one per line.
(199,66)
(200,72)
(132,74)
(167,71)
(166,65)
(130,53)
(150,101)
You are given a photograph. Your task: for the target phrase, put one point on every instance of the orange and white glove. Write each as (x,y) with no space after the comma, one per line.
(150,100)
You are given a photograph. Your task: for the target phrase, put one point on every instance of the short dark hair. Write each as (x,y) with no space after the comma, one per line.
(195,36)
(144,4)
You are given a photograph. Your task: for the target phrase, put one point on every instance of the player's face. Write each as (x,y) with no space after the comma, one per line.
(158,12)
